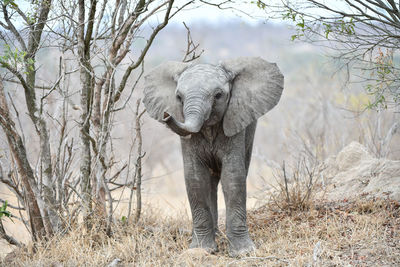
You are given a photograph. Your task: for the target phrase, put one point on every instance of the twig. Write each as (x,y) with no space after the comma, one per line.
(11,240)
(132,187)
(138,164)
(18,118)
(286,183)
(191,47)
(116,175)
(12,206)
(42,87)
(218,5)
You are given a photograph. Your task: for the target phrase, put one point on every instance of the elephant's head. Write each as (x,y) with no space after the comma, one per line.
(189,97)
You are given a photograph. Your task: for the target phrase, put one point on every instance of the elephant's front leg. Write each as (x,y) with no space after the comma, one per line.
(197,180)
(233,179)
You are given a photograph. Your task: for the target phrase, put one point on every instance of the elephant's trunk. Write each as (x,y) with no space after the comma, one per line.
(193,123)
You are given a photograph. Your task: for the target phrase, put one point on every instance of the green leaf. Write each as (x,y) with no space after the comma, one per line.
(261,5)
(4,211)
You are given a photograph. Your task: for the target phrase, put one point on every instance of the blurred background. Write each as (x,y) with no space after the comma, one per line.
(322,108)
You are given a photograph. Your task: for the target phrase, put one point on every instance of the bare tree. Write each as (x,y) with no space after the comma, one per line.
(19,60)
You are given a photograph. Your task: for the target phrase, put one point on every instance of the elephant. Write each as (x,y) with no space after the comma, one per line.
(214,109)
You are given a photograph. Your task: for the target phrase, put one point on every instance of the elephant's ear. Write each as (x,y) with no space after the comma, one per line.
(159,90)
(256,89)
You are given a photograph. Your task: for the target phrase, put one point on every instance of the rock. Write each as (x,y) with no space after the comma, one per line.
(351,156)
(355,172)
(115,263)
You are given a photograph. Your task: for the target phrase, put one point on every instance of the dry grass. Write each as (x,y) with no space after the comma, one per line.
(356,233)
(296,188)
(359,233)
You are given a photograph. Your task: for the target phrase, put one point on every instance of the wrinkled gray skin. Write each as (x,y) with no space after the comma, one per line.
(215,110)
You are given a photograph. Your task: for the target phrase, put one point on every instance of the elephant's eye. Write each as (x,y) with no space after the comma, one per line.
(218,96)
(179,98)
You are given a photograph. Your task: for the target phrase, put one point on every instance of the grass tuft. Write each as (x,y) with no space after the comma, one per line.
(296,188)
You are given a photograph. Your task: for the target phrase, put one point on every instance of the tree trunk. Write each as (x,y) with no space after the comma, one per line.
(85,162)
(18,152)
(86,81)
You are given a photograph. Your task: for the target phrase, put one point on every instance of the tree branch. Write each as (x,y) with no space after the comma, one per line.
(12,28)
(134,65)
(11,240)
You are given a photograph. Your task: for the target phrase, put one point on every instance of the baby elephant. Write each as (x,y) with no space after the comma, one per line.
(214,108)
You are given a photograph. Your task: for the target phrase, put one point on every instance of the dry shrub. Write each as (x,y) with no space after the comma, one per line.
(295,188)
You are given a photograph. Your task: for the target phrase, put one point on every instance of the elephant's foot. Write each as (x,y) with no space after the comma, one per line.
(240,246)
(207,242)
